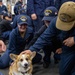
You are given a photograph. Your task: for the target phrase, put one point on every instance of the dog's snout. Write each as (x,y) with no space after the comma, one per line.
(25,64)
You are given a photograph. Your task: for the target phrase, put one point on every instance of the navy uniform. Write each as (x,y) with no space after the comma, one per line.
(5,25)
(3,7)
(37,7)
(18,43)
(50,13)
(66,24)
(16,8)
(58,3)
(19,2)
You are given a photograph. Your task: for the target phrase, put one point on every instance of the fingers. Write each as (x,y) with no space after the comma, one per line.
(26,51)
(69,42)
(59,51)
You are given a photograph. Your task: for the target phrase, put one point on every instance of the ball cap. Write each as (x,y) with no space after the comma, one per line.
(22,20)
(50,13)
(66,16)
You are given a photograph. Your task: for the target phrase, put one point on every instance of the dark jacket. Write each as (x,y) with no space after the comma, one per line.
(37,34)
(58,3)
(4,26)
(3,8)
(50,33)
(16,42)
(38,6)
(19,2)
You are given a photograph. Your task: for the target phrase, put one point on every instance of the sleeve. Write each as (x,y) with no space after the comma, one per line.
(0,33)
(51,2)
(57,4)
(5,8)
(30,6)
(16,9)
(45,38)
(14,25)
(12,42)
(37,34)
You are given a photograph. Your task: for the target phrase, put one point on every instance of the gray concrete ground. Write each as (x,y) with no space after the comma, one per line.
(39,70)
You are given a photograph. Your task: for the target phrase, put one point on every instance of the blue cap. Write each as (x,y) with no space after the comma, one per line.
(50,13)
(22,19)
(22,11)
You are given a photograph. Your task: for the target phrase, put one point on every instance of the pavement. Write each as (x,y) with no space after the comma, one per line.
(39,70)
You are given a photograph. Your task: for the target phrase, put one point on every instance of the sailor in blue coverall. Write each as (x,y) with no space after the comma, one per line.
(49,13)
(2,7)
(66,23)
(19,38)
(17,6)
(35,9)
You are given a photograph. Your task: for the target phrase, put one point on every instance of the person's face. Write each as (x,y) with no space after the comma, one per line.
(22,28)
(46,22)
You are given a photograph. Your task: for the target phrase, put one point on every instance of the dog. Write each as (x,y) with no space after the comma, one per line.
(22,64)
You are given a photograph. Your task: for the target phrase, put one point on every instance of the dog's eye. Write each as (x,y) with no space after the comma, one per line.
(21,60)
(26,58)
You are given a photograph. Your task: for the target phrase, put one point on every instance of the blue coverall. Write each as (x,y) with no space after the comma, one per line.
(67,62)
(17,45)
(3,8)
(37,7)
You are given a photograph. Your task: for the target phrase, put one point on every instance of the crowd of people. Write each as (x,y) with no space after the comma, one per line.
(46,25)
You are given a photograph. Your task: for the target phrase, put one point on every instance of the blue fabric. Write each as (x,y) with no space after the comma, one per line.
(38,6)
(50,13)
(5,35)
(15,21)
(38,23)
(67,63)
(16,45)
(3,8)
(17,8)
(22,19)
(58,3)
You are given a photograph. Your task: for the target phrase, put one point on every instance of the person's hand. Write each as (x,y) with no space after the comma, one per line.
(2,46)
(34,16)
(26,51)
(59,51)
(69,41)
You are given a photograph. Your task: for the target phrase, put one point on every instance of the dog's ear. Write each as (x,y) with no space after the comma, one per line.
(33,54)
(13,56)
